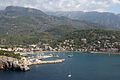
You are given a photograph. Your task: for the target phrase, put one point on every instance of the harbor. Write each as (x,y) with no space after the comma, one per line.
(80,66)
(9,63)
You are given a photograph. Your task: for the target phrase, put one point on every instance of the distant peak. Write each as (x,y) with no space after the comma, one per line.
(23,10)
(12,7)
(18,8)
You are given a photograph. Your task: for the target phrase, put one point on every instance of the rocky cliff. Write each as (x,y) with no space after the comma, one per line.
(7,63)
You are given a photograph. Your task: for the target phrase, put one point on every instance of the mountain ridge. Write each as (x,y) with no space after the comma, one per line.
(19,25)
(103,18)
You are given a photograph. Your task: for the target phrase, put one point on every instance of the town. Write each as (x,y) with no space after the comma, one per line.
(68,45)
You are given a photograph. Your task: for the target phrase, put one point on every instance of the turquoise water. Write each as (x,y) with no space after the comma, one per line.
(81,66)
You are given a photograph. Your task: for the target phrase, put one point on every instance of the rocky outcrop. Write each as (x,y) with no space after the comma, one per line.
(1,65)
(12,65)
(9,63)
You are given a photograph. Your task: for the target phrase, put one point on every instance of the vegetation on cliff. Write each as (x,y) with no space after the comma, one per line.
(9,54)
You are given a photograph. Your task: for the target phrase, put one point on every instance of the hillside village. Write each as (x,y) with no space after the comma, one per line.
(102,44)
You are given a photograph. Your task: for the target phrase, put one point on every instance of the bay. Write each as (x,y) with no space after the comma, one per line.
(82,66)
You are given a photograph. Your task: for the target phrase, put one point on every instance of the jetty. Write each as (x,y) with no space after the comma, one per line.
(48,62)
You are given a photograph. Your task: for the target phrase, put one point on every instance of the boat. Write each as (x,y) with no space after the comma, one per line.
(70,56)
(69,75)
(55,55)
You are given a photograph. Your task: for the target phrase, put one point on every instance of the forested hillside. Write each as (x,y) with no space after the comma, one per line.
(89,40)
(19,25)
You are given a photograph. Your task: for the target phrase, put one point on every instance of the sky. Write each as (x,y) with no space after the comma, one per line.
(66,5)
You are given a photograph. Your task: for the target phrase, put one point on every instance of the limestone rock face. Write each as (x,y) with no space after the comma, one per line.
(1,65)
(12,65)
(24,68)
(15,66)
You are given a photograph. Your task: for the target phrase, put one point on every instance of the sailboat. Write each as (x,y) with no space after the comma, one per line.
(39,55)
(69,75)
(70,56)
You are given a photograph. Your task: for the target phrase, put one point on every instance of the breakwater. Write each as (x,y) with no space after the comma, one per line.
(49,62)
(9,63)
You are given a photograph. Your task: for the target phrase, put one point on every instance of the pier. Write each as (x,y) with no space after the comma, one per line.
(46,62)
(53,61)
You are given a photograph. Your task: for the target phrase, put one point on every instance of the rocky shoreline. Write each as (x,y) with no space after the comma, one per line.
(9,63)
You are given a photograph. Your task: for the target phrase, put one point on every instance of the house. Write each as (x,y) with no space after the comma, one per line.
(48,48)
(33,45)
(84,40)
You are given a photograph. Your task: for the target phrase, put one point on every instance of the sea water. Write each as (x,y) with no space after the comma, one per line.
(82,66)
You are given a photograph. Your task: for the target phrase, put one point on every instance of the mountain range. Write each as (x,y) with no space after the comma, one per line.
(19,25)
(103,18)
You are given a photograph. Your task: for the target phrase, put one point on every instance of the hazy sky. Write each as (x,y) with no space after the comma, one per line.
(66,5)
